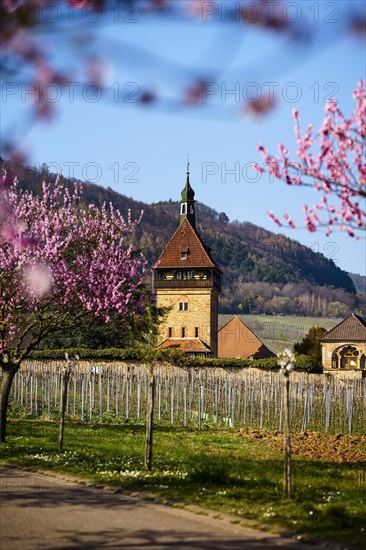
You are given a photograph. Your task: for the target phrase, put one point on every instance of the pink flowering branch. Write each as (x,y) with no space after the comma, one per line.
(332,162)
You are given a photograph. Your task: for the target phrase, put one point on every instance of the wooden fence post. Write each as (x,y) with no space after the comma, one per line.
(65,384)
(149,420)
(286,361)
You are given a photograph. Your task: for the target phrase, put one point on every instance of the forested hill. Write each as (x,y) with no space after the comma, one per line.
(263,272)
(359,281)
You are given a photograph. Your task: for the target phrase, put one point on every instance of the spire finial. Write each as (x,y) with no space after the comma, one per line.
(187,165)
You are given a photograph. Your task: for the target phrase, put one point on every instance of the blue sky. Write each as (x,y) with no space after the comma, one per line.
(142,151)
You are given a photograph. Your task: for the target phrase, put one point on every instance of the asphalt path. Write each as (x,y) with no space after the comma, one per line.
(39,512)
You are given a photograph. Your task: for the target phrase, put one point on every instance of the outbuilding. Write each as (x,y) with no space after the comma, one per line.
(235,339)
(344,346)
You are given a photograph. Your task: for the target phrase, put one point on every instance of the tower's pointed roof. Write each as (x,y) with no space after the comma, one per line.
(186,239)
(352,329)
(187,193)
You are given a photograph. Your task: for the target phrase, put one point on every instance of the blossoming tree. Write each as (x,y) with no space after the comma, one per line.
(337,172)
(59,262)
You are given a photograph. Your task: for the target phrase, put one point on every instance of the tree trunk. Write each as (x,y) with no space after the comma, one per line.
(8,376)
(65,385)
(149,423)
(287,442)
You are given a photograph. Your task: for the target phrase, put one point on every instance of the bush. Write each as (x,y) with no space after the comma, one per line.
(308,363)
(176,357)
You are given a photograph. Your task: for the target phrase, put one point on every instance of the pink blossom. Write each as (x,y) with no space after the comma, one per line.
(61,261)
(259,168)
(273,218)
(290,222)
(339,168)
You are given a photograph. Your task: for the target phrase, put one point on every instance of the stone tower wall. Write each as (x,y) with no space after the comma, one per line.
(201,313)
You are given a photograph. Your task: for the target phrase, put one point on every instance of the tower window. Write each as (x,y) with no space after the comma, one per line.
(170,332)
(183,332)
(183,306)
(196,331)
(184,208)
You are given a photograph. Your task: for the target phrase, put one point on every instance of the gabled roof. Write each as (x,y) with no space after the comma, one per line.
(351,329)
(186,238)
(235,339)
(188,345)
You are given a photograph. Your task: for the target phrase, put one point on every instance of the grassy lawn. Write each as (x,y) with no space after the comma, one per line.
(211,468)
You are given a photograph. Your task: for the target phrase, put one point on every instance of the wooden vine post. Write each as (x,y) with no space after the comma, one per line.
(151,357)
(286,361)
(149,418)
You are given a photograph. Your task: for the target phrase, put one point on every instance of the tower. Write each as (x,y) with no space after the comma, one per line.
(187,281)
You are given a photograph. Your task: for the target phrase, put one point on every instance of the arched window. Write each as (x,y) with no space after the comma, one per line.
(349,358)
(183,209)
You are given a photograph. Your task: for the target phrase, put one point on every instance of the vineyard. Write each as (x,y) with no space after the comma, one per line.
(197,398)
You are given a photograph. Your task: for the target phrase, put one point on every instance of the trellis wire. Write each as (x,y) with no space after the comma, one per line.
(194,397)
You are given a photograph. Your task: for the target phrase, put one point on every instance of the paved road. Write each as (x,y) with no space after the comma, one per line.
(39,512)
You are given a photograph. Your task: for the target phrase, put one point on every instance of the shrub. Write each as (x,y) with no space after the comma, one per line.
(308,363)
(176,357)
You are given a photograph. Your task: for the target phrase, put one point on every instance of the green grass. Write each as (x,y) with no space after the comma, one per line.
(210,468)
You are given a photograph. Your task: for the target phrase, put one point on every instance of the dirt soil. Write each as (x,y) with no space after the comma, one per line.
(331,448)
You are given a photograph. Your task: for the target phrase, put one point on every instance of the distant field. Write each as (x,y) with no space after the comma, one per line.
(277,331)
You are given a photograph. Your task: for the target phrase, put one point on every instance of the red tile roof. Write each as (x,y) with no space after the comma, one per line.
(235,339)
(188,345)
(351,329)
(186,239)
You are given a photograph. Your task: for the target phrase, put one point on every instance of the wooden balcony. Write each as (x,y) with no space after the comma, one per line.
(186,283)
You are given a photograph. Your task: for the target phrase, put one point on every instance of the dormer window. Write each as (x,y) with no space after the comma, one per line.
(184,253)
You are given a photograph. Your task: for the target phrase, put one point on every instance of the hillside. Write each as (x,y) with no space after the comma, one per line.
(263,272)
(359,281)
